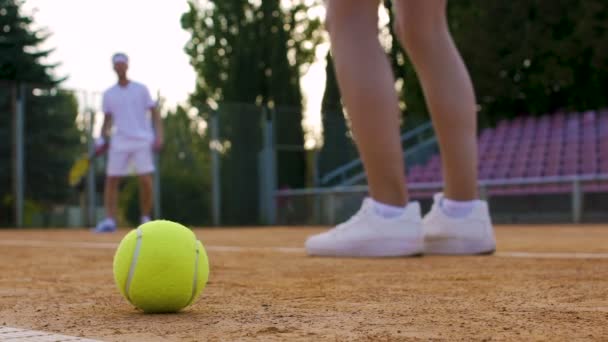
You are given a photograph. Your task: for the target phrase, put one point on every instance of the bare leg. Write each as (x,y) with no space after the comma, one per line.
(423,31)
(145,195)
(367,86)
(111,196)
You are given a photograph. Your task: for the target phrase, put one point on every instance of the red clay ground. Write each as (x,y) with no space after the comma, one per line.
(51,281)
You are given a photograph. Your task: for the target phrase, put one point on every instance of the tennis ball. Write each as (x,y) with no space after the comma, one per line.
(161,267)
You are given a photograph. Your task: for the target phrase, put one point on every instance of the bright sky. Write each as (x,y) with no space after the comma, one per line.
(85,34)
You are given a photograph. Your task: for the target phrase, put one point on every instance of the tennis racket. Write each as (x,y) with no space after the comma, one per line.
(81,167)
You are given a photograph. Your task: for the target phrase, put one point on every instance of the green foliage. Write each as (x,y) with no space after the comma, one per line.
(525,57)
(51,145)
(20,58)
(249,55)
(249,52)
(534,56)
(52,139)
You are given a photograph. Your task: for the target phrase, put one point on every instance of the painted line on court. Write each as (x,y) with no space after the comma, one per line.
(8,334)
(51,243)
(113,245)
(255,249)
(552,255)
(295,250)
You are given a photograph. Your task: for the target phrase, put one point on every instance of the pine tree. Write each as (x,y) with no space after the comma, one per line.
(51,138)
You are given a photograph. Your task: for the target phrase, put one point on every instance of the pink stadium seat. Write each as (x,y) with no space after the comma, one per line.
(598,186)
(527,147)
(533,173)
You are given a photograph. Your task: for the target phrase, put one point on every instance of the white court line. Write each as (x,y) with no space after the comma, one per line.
(552,255)
(50,243)
(296,250)
(8,334)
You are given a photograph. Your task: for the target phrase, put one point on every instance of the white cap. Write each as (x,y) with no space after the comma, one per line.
(120,58)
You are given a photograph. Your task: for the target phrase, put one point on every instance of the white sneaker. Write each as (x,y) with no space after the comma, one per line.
(144,220)
(367,234)
(469,235)
(106,226)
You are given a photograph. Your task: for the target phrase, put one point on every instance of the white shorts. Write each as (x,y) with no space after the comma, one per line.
(125,163)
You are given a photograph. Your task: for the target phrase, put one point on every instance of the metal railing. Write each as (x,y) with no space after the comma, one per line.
(22,97)
(342,172)
(330,194)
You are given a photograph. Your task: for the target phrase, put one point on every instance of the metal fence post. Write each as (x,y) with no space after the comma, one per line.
(577,201)
(215,170)
(483,192)
(316,183)
(268,169)
(19,168)
(157,188)
(331,205)
(91,191)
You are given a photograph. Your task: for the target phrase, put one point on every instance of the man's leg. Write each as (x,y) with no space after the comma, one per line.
(144,163)
(385,226)
(116,168)
(146,196)
(111,197)
(458,223)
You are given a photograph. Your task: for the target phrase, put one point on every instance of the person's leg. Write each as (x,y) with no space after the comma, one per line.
(423,31)
(368,91)
(145,196)
(458,223)
(116,169)
(384,226)
(111,197)
(144,163)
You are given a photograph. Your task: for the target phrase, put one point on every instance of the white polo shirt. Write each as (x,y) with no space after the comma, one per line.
(129,107)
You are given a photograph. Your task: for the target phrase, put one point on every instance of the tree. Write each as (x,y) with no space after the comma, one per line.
(52,138)
(21,57)
(548,56)
(533,57)
(525,57)
(249,55)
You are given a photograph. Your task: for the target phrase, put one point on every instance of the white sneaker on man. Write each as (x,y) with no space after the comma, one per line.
(144,220)
(367,234)
(472,234)
(107,225)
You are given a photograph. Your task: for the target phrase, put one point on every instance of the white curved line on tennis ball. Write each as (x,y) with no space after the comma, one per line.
(134,263)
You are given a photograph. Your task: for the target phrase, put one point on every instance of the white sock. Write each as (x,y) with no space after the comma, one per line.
(144,219)
(387,211)
(456,209)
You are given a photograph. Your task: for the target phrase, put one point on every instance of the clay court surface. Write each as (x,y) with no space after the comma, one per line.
(545,283)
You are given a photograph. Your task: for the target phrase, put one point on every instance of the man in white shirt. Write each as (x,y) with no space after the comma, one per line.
(127,107)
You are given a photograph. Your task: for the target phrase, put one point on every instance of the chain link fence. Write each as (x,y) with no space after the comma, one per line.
(221,165)
(43,131)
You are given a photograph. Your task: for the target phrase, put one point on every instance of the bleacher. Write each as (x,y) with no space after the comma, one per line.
(535,148)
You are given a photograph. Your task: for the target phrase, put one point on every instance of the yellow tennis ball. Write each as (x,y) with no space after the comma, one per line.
(161,267)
